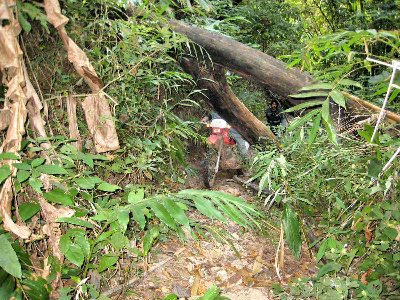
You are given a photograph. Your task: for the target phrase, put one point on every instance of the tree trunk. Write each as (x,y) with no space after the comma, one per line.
(247,61)
(254,64)
(213,81)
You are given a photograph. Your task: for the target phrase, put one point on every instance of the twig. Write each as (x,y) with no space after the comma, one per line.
(113,291)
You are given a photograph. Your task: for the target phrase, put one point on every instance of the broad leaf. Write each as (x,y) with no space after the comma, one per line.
(348,82)
(36,184)
(136,196)
(8,258)
(75,221)
(106,262)
(23,175)
(37,162)
(7,285)
(329,267)
(291,227)
(87,183)
(176,212)
(161,212)
(51,170)
(5,172)
(9,155)
(338,98)
(317,86)
(149,238)
(28,209)
(107,187)
(59,196)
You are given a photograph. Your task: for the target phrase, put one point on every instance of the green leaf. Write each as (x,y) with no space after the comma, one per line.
(118,240)
(317,86)
(28,209)
(338,98)
(136,196)
(72,252)
(36,184)
(149,238)
(310,95)
(331,131)
(304,105)
(321,250)
(86,158)
(22,166)
(9,156)
(138,216)
(107,261)
(171,297)
(23,175)
(37,162)
(300,121)
(161,213)
(348,82)
(325,110)
(59,196)
(329,267)
(5,172)
(8,258)
(75,221)
(107,187)
(207,208)
(177,212)
(88,183)
(314,129)
(7,285)
(52,170)
(26,26)
(291,227)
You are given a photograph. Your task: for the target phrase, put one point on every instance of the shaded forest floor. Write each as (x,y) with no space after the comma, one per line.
(242,268)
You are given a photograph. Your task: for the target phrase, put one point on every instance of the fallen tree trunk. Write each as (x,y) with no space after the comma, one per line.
(212,80)
(254,64)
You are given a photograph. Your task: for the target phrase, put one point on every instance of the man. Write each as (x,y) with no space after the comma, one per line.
(274,116)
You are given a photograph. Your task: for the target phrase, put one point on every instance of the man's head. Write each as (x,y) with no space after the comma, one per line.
(274,104)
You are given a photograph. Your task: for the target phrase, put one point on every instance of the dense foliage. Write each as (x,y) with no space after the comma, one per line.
(320,182)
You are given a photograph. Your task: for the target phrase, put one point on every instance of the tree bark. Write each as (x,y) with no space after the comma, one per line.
(246,61)
(256,65)
(211,79)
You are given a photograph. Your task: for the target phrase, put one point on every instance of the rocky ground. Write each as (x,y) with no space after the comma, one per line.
(243,268)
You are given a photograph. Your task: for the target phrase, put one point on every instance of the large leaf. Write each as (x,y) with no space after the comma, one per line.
(300,121)
(107,187)
(291,227)
(8,258)
(310,95)
(176,212)
(23,175)
(51,170)
(304,105)
(59,196)
(149,238)
(162,213)
(106,262)
(329,267)
(317,86)
(338,97)
(28,209)
(5,172)
(87,183)
(9,155)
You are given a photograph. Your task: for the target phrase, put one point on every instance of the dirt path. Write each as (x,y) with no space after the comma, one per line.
(243,270)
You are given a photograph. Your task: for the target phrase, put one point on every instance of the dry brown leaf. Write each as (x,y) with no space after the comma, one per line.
(194,290)
(52,230)
(365,275)
(53,12)
(368,234)
(258,264)
(100,123)
(5,117)
(97,110)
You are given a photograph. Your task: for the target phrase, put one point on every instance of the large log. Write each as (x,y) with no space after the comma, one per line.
(254,64)
(246,61)
(211,79)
